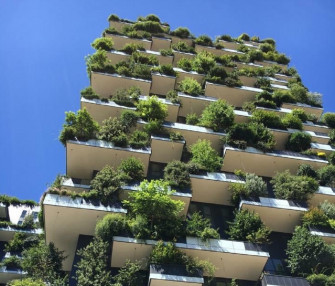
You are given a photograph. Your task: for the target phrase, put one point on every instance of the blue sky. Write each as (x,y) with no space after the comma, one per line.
(42,50)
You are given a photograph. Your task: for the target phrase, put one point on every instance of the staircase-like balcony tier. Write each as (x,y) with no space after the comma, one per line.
(181,75)
(120,41)
(118,25)
(322,148)
(217,52)
(323,194)
(162,84)
(177,55)
(270,63)
(307,108)
(165,150)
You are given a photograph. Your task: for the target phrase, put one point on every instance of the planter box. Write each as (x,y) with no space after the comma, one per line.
(106,85)
(240,65)
(120,41)
(175,40)
(277,161)
(323,194)
(278,81)
(65,219)
(235,96)
(322,148)
(269,64)
(278,280)
(316,128)
(193,104)
(84,158)
(118,25)
(162,84)
(115,57)
(172,108)
(160,44)
(217,52)
(248,80)
(307,108)
(179,55)
(181,75)
(212,188)
(280,76)
(230,45)
(164,150)
(163,60)
(278,215)
(232,259)
(241,116)
(328,235)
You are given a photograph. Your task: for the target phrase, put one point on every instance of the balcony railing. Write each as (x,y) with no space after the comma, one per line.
(278,280)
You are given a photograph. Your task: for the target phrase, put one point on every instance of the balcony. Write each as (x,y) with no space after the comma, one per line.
(170,275)
(181,75)
(320,129)
(213,188)
(66,218)
(276,81)
(160,44)
(165,150)
(84,158)
(278,280)
(232,259)
(3,211)
(172,108)
(280,76)
(230,45)
(7,274)
(100,110)
(115,57)
(193,104)
(175,40)
(307,108)
(120,41)
(327,234)
(323,193)
(248,80)
(235,96)
(118,25)
(179,55)
(163,60)
(106,85)
(322,148)
(162,84)
(272,162)
(270,63)
(241,65)
(217,52)
(278,215)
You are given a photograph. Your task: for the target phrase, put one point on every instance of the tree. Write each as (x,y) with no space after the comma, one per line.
(129,274)
(177,174)
(92,269)
(156,209)
(299,141)
(111,225)
(218,115)
(27,282)
(131,169)
(103,44)
(152,109)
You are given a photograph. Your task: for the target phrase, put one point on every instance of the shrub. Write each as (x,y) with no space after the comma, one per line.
(105,44)
(318,280)
(299,141)
(127,97)
(266,103)
(172,95)
(327,176)
(263,83)
(328,208)
(150,17)
(206,156)
(176,136)
(190,86)
(113,17)
(270,119)
(314,217)
(79,126)
(129,274)
(199,226)
(232,80)
(182,47)
(329,119)
(299,112)
(131,169)
(177,174)
(98,62)
(255,55)
(139,139)
(332,137)
(290,187)
(111,128)
(203,62)
(292,121)
(185,64)
(307,170)
(142,71)
(243,37)
(11,262)
(181,32)
(141,58)
(266,47)
(149,26)
(331,158)
(204,40)
(192,119)
(299,93)
(281,96)
(153,127)
(217,74)
(166,53)
(218,115)
(106,183)
(16,244)
(128,119)
(111,225)
(248,226)
(226,38)
(166,69)
(26,282)
(89,93)
(152,109)
(131,48)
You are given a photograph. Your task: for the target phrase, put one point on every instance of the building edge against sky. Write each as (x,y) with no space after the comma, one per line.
(204,72)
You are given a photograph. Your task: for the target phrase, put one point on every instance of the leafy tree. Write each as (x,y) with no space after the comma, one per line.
(152,109)
(201,227)
(104,43)
(128,119)
(111,225)
(292,121)
(308,253)
(307,170)
(129,274)
(16,244)
(315,217)
(206,156)
(204,40)
(106,183)
(131,169)
(218,115)
(181,32)
(329,119)
(248,226)
(203,62)
(290,187)
(79,126)
(327,176)
(270,119)
(190,86)
(92,269)
(299,141)
(328,208)
(111,129)
(27,282)
(177,174)
(140,139)
(89,93)
(158,212)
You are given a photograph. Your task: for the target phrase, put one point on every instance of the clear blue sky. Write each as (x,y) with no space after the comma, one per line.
(43,44)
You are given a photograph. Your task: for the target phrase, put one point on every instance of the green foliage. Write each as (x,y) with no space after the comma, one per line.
(332,137)
(266,47)
(307,170)
(263,83)
(270,119)
(111,129)
(166,53)
(327,176)
(106,183)
(98,62)
(300,113)
(329,119)
(177,174)
(243,37)
(127,97)
(218,115)
(299,141)
(331,158)
(281,96)
(319,280)
(290,187)
(131,169)
(315,217)
(79,126)
(89,93)
(26,282)
(139,139)
(203,40)
(128,119)
(269,41)
(292,121)
(248,226)
(203,62)
(192,119)
(104,43)
(185,64)
(152,109)
(7,200)
(131,48)
(199,226)
(181,32)
(113,17)
(150,17)
(299,93)
(190,86)
(111,225)
(182,47)
(217,74)
(172,95)
(328,208)
(255,55)
(308,253)
(232,80)
(206,156)
(129,274)
(153,127)
(226,38)
(176,136)
(149,26)
(11,262)
(92,269)
(141,58)
(165,69)
(159,213)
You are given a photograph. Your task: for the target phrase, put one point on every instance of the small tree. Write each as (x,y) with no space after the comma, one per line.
(92,269)
(269,118)
(218,115)
(132,169)
(177,174)
(111,129)
(248,226)
(327,176)
(203,62)
(199,226)
(27,282)
(104,43)
(190,86)
(152,109)
(299,141)
(111,225)
(329,119)
(206,156)
(129,274)
(307,170)
(79,126)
